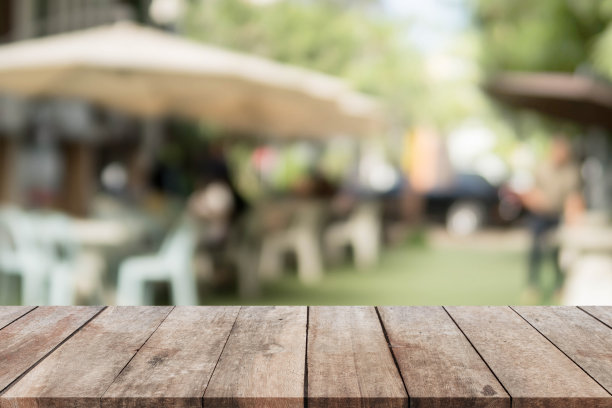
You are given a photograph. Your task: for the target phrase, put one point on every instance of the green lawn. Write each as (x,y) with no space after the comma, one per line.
(410,275)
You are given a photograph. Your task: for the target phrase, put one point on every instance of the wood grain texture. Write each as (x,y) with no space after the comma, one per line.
(174,366)
(263,362)
(438,364)
(29,339)
(255,357)
(533,371)
(349,361)
(602,313)
(78,373)
(585,340)
(9,314)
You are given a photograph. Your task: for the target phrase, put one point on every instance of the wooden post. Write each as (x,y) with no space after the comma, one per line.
(8,149)
(78,183)
(23,17)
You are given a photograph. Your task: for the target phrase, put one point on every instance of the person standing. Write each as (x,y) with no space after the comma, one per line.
(555,198)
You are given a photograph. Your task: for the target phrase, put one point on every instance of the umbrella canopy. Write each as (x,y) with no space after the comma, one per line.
(149,72)
(576,98)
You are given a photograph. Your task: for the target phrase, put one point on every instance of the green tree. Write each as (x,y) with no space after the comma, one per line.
(602,55)
(542,35)
(349,39)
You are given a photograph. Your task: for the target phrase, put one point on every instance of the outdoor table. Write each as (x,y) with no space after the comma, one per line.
(305,356)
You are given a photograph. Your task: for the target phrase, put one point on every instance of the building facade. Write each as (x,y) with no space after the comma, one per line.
(22,19)
(47,146)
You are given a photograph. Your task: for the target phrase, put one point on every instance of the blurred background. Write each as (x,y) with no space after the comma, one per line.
(305,152)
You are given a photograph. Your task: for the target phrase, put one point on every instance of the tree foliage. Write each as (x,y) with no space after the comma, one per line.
(349,39)
(602,55)
(542,35)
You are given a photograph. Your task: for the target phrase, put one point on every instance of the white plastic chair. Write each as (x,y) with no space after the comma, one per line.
(41,251)
(301,238)
(172,264)
(58,244)
(8,253)
(361,231)
(20,256)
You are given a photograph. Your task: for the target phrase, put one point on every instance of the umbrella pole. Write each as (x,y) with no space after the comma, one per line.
(141,163)
(79,177)
(8,147)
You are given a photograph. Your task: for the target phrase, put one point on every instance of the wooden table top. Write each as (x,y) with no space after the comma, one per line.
(305,356)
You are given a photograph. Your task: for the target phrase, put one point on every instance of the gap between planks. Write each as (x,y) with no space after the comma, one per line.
(383,328)
(397,367)
(558,348)
(16,380)
(134,355)
(220,354)
(479,355)
(19,317)
(306,358)
(594,317)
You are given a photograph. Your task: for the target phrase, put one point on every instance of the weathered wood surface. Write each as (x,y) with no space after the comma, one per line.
(339,357)
(30,338)
(533,371)
(585,340)
(263,363)
(601,313)
(78,372)
(349,362)
(438,364)
(174,366)
(9,314)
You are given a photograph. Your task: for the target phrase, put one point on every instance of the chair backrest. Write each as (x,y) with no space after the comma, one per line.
(18,229)
(20,247)
(179,245)
(48,236)
(56,236)
(8,244)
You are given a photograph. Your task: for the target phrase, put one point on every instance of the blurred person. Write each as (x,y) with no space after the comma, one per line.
(214,168)
(554,198)
(218,205)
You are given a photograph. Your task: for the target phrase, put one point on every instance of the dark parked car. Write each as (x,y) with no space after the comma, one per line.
(469,202)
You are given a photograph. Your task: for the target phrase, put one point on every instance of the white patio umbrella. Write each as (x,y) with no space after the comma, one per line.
(149,72)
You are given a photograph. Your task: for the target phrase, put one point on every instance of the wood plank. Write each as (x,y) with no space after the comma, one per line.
(438,364)
(9,314)
(263,363)
(174,366)
(584,339)
(349,361)
(601,313)
(78,373)
(29,339)
(533,371)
